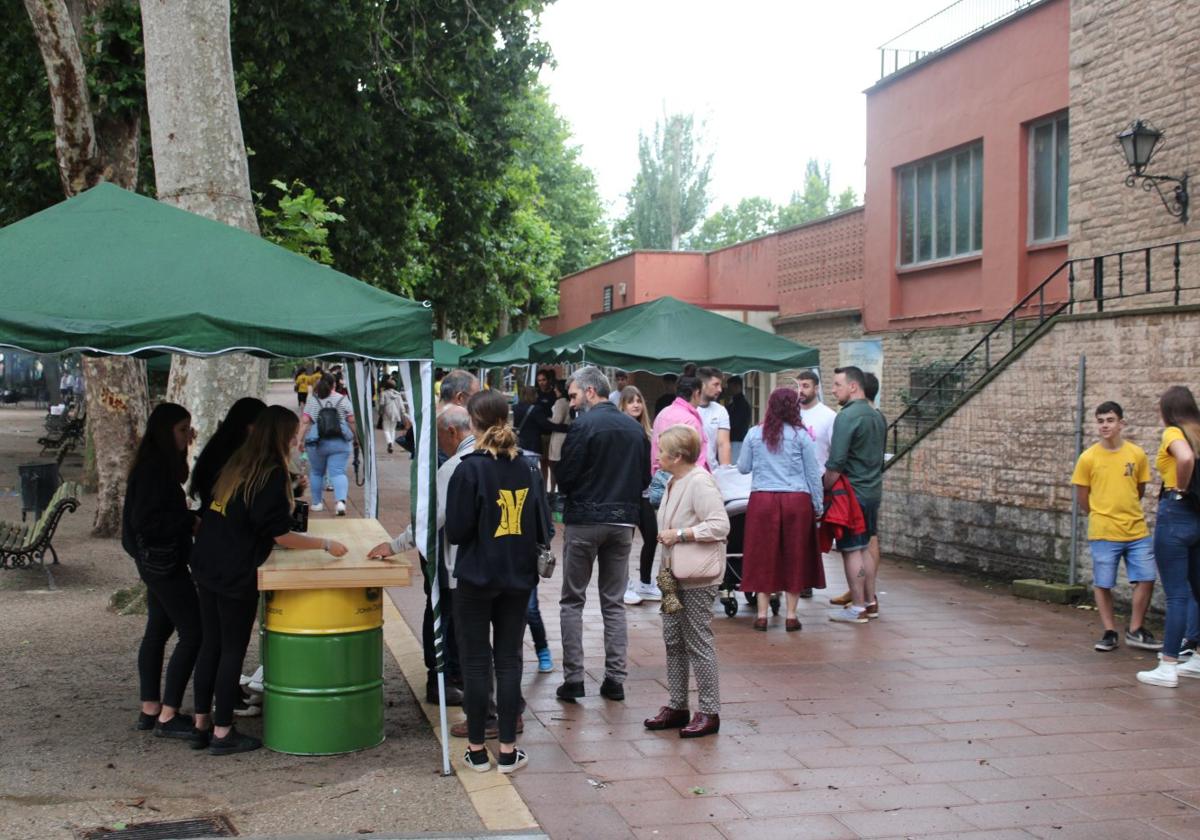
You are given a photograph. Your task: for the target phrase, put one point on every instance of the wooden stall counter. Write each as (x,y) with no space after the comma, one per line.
(322,640)
(315,569)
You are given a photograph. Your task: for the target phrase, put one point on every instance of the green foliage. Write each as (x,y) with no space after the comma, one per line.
(115,59)
(300,220)
(670,194)
(759,216)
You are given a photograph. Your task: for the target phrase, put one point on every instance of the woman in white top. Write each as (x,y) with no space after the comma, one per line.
(559,413)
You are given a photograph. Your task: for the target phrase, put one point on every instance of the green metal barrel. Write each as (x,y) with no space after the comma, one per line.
(322,689)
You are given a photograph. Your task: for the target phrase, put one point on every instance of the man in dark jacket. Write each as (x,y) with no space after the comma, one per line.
(605,467)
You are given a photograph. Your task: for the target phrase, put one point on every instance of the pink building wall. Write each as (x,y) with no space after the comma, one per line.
(989,88)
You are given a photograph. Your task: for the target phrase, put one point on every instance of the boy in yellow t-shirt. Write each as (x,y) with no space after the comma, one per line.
(1110,478)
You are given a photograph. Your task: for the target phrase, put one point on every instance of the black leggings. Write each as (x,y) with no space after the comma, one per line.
(648,526)
(502,612)
(227,625)
(171,607)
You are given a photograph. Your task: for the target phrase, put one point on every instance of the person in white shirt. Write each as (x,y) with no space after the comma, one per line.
(715,417)
(817,417)
(621,378)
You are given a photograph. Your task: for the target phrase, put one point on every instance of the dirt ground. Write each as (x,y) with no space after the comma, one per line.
(70,758)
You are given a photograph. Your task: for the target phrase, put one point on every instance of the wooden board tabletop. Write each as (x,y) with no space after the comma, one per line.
(314,569)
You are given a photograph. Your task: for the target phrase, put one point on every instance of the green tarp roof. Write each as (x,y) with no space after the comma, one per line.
(110,271)
(509,350)
(665,334)
(447,354)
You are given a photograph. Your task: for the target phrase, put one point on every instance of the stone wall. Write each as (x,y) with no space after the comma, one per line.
(989,490)
(1131,61)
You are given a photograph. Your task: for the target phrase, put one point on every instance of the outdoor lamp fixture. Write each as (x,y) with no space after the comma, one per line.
(1138,143)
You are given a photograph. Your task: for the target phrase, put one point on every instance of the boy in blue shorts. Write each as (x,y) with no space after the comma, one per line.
(1110,478)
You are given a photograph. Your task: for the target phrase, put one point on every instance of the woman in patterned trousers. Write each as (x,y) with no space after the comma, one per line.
(692,523)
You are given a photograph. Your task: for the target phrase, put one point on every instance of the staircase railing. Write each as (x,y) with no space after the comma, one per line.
(1021,325)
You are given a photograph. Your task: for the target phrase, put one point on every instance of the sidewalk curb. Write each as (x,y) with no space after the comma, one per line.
(493,796)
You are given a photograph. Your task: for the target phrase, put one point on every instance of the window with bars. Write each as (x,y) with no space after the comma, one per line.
(1049,154)
(607,299)
(941,207)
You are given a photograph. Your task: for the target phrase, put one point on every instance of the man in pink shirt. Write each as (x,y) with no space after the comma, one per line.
(683,410)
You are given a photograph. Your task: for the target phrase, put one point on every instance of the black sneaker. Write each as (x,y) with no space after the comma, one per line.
(200,739)
(1142,638)
(234,742)
(511,762)
(569,691)
(180,727)
(612,689)
(1107,642)
(145,722)
(477,760)
(1186,648)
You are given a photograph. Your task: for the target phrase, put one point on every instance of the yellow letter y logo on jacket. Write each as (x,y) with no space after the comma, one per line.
(510,512)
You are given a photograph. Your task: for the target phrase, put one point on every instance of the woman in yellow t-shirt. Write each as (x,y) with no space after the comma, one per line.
(1177,530)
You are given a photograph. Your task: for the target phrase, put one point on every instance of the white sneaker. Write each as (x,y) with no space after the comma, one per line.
(1165,675)
(317,508)
(1191,668)
(341,508)
(649,591)
(253,682)
(849,615)
(632,598)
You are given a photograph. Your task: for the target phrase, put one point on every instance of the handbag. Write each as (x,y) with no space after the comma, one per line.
(693,560)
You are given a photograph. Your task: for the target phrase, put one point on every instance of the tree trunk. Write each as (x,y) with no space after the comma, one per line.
(117,401)
(199,166)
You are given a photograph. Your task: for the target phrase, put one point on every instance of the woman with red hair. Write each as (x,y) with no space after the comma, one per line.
(780,547)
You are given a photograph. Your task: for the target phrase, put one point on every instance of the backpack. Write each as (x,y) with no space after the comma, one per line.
(329,422)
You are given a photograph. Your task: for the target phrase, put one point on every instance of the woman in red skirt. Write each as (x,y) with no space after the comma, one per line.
(780,546)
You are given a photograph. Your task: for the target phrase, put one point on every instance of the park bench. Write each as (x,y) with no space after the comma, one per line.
(62,435)
(23,545)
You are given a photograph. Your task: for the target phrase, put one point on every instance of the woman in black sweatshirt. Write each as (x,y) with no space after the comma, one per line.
(226,440)
(156,531)
(496,514)
(250,512)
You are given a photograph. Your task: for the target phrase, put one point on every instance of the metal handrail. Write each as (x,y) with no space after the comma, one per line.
(1045,312)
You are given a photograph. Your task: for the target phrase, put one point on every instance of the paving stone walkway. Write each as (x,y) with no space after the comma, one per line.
(961,712)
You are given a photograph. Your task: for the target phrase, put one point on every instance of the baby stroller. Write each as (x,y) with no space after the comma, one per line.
(735,491)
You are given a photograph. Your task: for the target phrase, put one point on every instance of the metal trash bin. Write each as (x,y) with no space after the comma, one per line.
(38,483)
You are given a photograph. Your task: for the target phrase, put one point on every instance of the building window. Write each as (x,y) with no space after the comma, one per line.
(1049,153)
(606,302)
(941,207)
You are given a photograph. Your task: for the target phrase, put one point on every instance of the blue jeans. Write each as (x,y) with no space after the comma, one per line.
(537,627)
(1177,552)
(328,457)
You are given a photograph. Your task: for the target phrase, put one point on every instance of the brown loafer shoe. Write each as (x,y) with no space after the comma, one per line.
(701,725)
(760,624)
(792,625)
(491,732)
(668,718)
(873,610)
(842,600)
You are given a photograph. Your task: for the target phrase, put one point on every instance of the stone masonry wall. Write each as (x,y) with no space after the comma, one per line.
(989,490)
(1131,60)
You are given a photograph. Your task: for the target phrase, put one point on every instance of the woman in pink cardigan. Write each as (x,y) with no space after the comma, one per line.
(692,525)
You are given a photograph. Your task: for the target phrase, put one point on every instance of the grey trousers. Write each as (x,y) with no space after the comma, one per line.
(584,545)
(689,639)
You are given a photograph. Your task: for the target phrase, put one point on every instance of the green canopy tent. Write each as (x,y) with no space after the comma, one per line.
(110,272)
(447,354)
(665,334)
(508,350)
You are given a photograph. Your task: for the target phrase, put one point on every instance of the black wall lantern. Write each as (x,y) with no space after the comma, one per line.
(1138,143)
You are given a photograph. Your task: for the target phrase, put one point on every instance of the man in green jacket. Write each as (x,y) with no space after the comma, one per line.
(856,451)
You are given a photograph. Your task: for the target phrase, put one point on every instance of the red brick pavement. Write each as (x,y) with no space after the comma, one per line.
(961,712)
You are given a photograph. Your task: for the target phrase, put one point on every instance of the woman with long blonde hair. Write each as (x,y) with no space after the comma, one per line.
(496,514)
(250,512)
(1177,530)
(644,589)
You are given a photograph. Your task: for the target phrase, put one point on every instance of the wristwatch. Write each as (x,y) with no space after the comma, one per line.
(679,535)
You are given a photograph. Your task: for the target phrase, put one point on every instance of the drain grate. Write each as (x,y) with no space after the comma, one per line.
(218,826)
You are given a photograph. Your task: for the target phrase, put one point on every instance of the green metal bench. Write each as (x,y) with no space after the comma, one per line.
(24,545)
